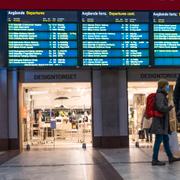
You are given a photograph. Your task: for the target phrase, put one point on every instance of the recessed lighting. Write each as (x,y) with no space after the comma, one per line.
(38,92)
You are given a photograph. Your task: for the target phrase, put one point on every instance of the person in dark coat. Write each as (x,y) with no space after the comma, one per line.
(160,125)
(176,97)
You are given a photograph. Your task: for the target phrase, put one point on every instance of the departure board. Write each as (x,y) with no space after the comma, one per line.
(42,38)
(115,38)
(166,32)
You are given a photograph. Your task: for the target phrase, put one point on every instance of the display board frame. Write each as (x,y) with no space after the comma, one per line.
(3,39)
(80,56)
(121,20)
(80,49)
(164,58)
(48,41)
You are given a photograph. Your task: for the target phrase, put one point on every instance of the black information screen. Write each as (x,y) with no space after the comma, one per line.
(117,38)
(166,32)
(3,39)
(42,38)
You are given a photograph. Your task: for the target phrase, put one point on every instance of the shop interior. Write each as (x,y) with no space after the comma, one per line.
(55,115)
(137,93)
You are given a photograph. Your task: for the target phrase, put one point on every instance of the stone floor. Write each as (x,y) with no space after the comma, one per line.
(89,164)
(135,164)
(58,164)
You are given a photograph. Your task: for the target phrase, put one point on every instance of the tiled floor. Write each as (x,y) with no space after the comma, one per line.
(78,164)
(135,164)
(58,164)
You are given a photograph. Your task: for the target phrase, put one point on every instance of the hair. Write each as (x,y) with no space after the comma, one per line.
(162,83)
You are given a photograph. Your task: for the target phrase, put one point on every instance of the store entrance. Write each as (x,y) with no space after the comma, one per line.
(137,93)
(55,115)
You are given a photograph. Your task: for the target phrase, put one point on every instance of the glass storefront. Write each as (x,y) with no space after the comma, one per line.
(55,114)
(137,94)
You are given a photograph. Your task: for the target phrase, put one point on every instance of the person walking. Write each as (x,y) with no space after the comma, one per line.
(160,125)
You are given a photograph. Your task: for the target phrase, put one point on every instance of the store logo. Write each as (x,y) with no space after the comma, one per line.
(158,76)
(54,76)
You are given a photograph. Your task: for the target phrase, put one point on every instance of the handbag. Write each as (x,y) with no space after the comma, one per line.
(141,134)
(173,142)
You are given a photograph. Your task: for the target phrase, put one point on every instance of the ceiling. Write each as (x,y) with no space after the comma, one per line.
(78,95)
(142,88)
(145,84)
(71,95)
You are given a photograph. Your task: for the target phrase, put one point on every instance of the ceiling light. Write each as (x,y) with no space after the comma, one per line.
(61,98)
(38,92)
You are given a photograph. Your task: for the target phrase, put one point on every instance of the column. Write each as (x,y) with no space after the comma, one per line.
(3,111)
(110,109)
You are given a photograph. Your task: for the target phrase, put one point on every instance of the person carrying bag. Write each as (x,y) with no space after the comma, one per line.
(160,124)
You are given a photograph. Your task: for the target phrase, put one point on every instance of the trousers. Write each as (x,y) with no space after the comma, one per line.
(158,139)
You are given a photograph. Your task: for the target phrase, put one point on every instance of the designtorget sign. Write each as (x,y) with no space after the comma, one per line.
(153,74)
(54,76)
(158,76)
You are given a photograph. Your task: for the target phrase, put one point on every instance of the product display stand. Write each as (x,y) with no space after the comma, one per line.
(54,138)
(84,143)
(28,147)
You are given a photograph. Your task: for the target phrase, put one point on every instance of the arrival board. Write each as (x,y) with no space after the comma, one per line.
(117,38)
(42,38)
(166,32)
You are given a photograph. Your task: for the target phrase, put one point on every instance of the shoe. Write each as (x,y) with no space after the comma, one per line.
(158,163)
(173,159)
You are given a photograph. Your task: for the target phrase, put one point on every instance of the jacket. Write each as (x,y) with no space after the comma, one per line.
(160,125)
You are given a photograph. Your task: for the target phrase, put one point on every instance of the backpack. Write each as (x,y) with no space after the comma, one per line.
(150,107)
